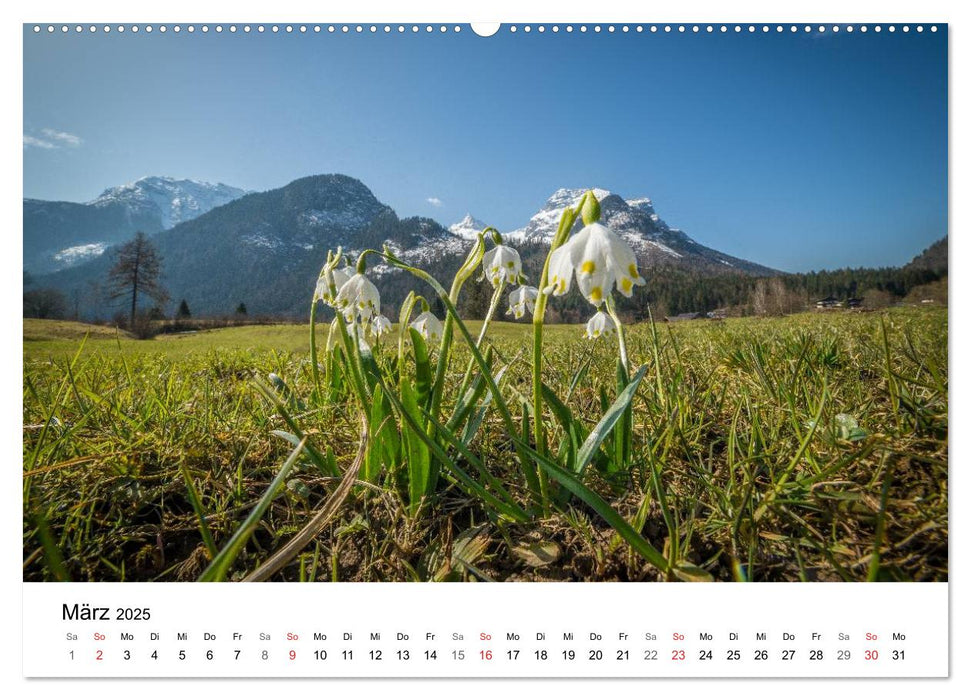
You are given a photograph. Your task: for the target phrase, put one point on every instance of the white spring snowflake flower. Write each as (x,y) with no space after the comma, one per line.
(338,277)
(600,324)
(502,263)
(599,258)
(358,297)
(353,329)
(362,344)
(522,300)
(428,327)
(380,325)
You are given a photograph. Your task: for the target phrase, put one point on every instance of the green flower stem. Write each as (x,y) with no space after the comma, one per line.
(539,312)
(357,375)
(539,432)
(623,451)
(445,349)
(403,319)
(621,341)
(314,369)
(352,351)
(493,305)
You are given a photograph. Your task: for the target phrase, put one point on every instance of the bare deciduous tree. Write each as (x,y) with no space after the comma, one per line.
(136,273)
(758,300)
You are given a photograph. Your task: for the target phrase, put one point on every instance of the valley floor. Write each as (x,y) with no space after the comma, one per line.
(812,447)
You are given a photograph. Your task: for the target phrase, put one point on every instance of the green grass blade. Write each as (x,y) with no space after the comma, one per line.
(200,512)
(219,567)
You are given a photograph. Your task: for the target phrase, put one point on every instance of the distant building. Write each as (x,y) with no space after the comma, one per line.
(829,302)
(854,303)
(718,314)
(690,316)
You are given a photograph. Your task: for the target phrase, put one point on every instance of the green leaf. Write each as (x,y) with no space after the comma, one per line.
(372,373)
(507,507)
(610,418)
(847,428)
(423,368)
(537,554)
(416,450)
(592,499)
(299,488)
(467,549)
(623,431)
(289,437)
(686,571)
(382,437)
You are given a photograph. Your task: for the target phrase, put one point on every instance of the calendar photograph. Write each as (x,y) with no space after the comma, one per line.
(371,303)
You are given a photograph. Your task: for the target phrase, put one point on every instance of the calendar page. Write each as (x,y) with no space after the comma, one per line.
(424,348)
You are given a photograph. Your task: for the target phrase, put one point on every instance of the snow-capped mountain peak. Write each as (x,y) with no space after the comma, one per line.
(544,223)
(469,227)
(566,196)
(175,200)
(634,220)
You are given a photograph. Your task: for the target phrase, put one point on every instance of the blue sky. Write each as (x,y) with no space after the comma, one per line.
(798,151)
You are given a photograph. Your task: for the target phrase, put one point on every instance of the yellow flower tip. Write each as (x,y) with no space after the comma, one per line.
(633,271)
(588,267)
(626,284)
(597,294)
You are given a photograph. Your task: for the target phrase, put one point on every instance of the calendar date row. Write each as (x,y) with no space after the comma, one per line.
(486,655)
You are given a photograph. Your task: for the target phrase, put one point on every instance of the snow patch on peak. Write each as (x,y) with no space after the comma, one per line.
(642,203)
(173,199)
(79,253)
(467,228)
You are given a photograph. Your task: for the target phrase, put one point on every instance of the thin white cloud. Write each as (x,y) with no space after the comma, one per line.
(34,142)
(435,201)
(62,137)
(51,139)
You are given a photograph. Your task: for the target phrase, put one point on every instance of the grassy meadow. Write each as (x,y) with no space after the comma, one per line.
(810,447)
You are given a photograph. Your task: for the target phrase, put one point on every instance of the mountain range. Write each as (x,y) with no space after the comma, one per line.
(58,235)
(221,245)
(635,220)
